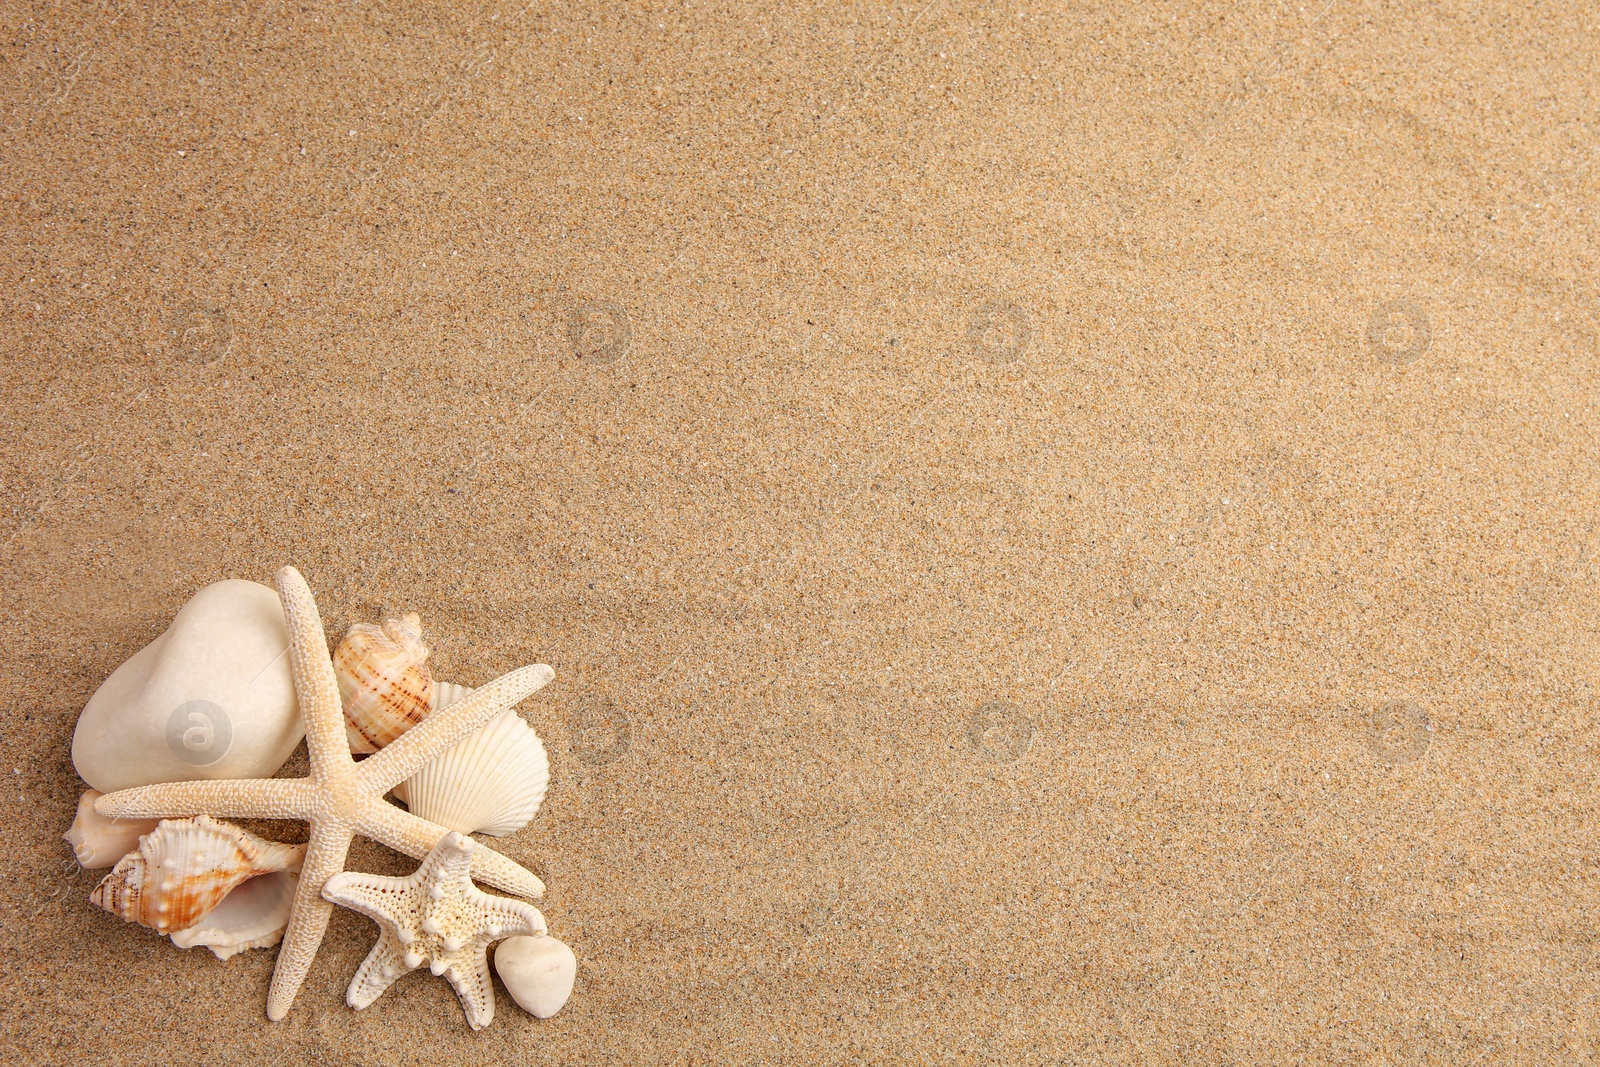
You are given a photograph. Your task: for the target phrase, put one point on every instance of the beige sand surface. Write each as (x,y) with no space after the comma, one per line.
(1083,523)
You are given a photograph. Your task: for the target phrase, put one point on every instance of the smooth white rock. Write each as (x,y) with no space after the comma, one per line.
(210,698)
(538,972)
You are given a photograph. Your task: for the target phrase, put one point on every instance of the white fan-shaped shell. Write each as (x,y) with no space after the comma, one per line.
(491,782)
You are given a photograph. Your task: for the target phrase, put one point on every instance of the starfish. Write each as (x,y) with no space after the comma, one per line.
(438,917)
(341,797)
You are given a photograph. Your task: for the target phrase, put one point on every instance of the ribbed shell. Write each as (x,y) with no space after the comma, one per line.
(183,870)
(492,782)
(384,682)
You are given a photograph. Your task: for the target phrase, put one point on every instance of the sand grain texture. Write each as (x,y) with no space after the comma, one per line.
(1066,535)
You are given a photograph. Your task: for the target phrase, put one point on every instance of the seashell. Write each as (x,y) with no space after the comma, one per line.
(99,841)
(490,782)
(185,868)
(384,682)
(447,693)
(252,916)
(210,698)
(538,973)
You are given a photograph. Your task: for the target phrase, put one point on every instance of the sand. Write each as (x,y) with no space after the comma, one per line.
(1067,534)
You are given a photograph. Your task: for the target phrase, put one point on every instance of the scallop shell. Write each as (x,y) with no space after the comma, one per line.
(252,916)
(383,681)
(491,782)
(100,842)
(183,870)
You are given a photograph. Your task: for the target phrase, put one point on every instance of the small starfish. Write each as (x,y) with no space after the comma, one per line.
(340,798)
(438,917)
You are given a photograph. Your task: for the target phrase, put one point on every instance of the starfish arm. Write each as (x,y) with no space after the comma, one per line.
(416,836)
(419,745)
(373,895)
(308,919)
(237,798)
(491,868)
(315,685)
(384,966)
(473,985)
(512,918)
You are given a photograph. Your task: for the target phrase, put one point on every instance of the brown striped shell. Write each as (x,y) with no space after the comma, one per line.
(384,682)
(183,870)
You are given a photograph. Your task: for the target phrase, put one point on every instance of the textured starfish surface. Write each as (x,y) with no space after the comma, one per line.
(438,917)
(341,797)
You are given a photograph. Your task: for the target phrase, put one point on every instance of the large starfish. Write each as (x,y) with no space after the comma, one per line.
(438,917)
(341,797)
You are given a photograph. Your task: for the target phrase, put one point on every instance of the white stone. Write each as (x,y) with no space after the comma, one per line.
(538,972)
(210,698)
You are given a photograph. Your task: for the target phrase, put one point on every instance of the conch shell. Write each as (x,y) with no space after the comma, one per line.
(185,869)
(383,681)
(100,842)
(490,782)
(252,916)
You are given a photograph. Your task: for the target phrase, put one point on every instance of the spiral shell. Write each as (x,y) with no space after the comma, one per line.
(100,842)
(384,682)
(490,782)
(183,870)
(254,915)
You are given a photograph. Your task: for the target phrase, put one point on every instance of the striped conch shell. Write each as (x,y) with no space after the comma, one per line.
(252,916)
(383,681)
(185,868)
